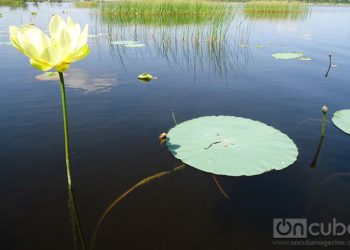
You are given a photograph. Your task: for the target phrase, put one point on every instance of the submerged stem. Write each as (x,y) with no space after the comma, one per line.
(65,125)
(76,227)
(220,187)
(121,197)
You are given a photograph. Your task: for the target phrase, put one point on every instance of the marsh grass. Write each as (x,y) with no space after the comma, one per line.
(86,4)
(190,33)
(162,11)
(13,3)
(278,7)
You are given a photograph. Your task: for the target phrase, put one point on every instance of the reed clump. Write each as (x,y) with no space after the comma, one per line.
(89,4)
(164,8)
(275,7)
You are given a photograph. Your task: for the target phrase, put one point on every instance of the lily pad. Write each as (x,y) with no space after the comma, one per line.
(259,46)
(229,145)
(6,43)
(286,56)
(304,58)
(49,76)
(135,45)
(145,77)
(244,45)
(341,120)
(123,42)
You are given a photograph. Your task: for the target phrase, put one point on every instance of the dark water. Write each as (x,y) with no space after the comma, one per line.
(115,121)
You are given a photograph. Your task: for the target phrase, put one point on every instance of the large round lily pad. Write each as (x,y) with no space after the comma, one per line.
(233,146)
(341,119)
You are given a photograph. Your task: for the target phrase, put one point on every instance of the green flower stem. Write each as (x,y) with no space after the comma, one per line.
(324,120)
(65,124)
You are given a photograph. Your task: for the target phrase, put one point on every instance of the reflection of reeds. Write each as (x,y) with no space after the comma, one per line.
(276,9)
(193,45)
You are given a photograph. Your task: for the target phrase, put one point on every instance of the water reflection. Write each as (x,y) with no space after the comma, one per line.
(197,48)
(329,206)
(81,80)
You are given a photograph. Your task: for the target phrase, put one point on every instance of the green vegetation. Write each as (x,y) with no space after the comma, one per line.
(276,9)
(13,3)
(232,146)
(85,4)
(275,6)
(163,11)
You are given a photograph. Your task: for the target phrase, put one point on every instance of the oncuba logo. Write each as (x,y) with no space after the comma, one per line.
(299,228)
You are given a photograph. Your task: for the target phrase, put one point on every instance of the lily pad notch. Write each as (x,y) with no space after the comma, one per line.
(232,146)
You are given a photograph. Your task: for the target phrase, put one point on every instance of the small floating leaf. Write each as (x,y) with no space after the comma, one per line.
(34,13)
(243,45)
(6,43)
(285,56)
(229,145)
(122,42)
(304,58)
(341,120)
(48,76)
(145,77)
(134,45)
(259,46)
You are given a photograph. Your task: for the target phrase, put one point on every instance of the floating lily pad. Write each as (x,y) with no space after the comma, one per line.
(49,76)
(243,45)
(134,45)
(259,46)
(146,77)
(123,42)
(304,58)
(286,56)
(233,146)
(341,120)
(6,43)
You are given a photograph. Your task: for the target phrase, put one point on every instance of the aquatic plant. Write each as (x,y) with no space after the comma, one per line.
(276,10)
(233,146)
(341,119)
(146,77)
(158,11)
(85,4)
(286,56)
(14,3)
(275,6)
(66,45)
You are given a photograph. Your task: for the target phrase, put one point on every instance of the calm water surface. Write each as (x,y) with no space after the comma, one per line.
(115,121)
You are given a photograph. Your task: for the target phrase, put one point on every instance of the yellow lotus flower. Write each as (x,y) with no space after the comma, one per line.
(66,45)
